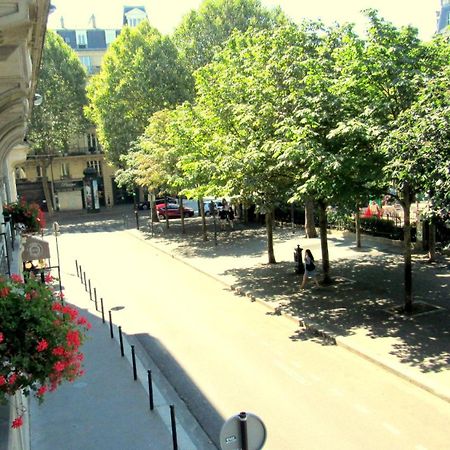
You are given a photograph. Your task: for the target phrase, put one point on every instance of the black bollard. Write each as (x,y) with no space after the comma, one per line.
(137,219)
(244,436)
(121,341)
(150,389)
(111,325)
(103,310)
(76,265)
(133,358)
(85,282)
(90,291)
(174,428)
(81,275)
(95,299)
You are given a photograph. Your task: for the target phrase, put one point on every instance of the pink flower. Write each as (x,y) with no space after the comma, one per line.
(4,292)
(58,351)
(28,296)
(17,422)
(73,313)
(59,366)
(57,307)
(41,391)
(2,338)
(48,278)
(73,338)
(42,345)
(12,379)
(2,380)
(16,278)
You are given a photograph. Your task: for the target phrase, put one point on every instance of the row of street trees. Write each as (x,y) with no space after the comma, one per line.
(244,103)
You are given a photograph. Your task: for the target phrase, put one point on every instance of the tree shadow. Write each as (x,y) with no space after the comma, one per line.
(360,300)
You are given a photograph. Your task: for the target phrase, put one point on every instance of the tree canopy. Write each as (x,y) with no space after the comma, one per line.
(61,83)
(141,74)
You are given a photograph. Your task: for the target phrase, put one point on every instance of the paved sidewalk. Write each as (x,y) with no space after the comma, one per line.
(106,408)
(357,312)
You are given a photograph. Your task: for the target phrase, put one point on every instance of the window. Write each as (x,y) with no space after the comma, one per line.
(39,171)
(65,170)
(92,141)
(95,165)
(86,61)
(81,38)
(110,35)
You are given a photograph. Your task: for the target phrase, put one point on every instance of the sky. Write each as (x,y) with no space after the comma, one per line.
(165,15)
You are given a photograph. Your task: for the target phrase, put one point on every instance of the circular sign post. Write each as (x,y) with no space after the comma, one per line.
(244,431)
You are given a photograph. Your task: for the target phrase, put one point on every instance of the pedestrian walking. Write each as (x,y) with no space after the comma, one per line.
(310,269)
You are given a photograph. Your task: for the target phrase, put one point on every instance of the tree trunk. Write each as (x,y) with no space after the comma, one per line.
(406,203)
(269,228)
(358,227)
(432,241)
(183,228)
(166,205)
(47,194)
(310,228)
(201,205)
(324,243)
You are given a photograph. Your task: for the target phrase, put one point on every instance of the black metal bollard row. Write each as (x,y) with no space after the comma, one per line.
(133,358)
(174,427)
(95,299)
(103,310)
(90,291)
(76,265)
(122,353)
(150,389)
(111,331)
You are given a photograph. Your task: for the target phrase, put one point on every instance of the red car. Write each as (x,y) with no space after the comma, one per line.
(173,211)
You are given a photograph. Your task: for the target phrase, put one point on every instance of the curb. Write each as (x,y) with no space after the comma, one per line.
(319,331)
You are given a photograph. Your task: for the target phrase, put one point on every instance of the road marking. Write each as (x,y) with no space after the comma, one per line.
(391,428)
(289,371)
(361,408)
(337,392)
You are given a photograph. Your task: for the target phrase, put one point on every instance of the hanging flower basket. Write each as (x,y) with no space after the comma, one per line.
(28,217)
(39,339)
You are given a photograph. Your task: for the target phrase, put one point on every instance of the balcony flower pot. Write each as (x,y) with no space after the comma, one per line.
(27,217)
(40,339)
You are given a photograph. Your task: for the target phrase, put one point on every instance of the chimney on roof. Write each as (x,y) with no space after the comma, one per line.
(61,19)
(92,19)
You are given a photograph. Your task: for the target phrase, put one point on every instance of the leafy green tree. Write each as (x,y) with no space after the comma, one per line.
(395,67)
(418,154)
(202,33)
(59,119)
(141,74)
(251,92)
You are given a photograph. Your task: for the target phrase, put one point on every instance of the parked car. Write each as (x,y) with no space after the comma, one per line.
(173,211)
(217,204)
(145,205)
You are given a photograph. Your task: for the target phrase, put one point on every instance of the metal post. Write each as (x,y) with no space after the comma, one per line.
(137,219)
(81,275)
(133,358)
(111,325)
(215,225)
(85,282)
(103,310)
(90,291)
(174,428)
(121,341)
(59,278)
(244,436)
(95,299)
(76,265)
(150,389)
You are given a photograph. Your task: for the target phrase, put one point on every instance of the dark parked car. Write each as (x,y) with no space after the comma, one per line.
(173,211)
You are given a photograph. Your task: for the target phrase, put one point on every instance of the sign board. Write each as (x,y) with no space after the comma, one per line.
(231,438)
(35,248)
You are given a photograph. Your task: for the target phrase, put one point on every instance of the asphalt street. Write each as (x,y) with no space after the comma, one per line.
(224,354)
